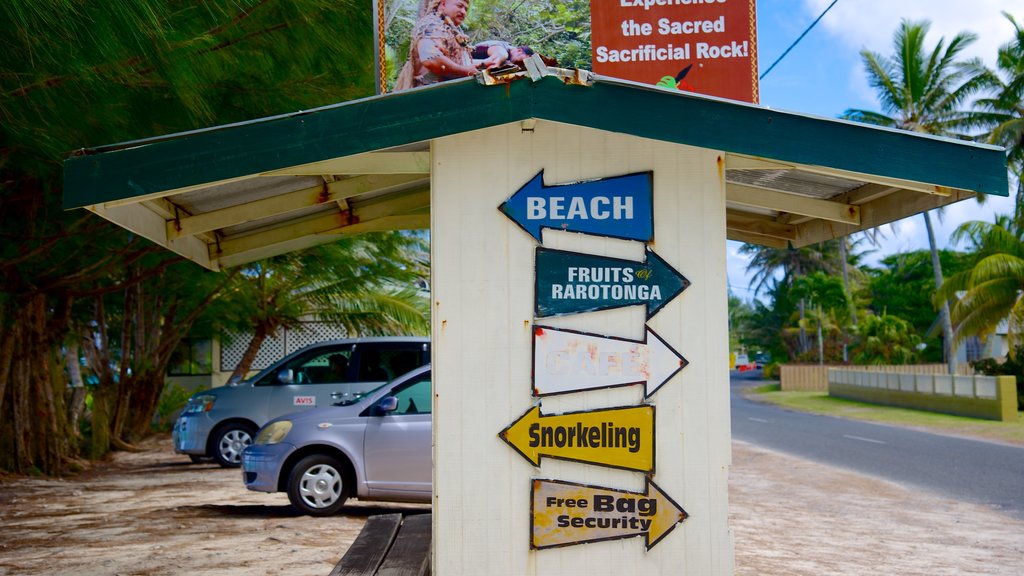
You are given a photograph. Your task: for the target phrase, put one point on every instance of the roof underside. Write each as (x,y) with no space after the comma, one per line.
(229,195)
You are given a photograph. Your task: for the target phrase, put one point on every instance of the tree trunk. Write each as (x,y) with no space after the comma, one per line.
(805,346)
(948,349)
(843,260)
(32,421)
(250,354)
(1018,210)
(7,338)
(76,400)
(821,343)
(102,398)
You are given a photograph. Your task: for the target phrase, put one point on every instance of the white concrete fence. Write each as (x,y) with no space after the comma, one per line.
(991,397)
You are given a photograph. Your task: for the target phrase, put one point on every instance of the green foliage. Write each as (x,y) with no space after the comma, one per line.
(740,316)
(885,339)
(1012,366)
(172,401)
(1002,111)
(771,371)
(905,287)
(83,74)
(989,291)
(79,74)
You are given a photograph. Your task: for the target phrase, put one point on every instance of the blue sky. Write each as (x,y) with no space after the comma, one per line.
(823,76)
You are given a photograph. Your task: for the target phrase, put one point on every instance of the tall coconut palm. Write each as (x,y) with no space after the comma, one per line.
(992,290)
(1002,113)
(926,91)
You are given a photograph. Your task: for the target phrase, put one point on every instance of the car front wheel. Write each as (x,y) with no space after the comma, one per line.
(230,441)
(316,485)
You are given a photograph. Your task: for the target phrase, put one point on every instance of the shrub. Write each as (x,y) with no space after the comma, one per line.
(1010,367)
(171,402)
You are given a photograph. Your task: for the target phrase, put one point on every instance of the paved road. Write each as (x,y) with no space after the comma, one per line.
(967,470)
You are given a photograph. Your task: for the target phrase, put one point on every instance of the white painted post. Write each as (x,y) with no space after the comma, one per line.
(483,302)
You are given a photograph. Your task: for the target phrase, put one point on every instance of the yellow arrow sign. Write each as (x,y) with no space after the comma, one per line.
(617,437)
(566,513)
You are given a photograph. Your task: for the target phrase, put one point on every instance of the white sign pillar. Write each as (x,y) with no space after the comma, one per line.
(483,284)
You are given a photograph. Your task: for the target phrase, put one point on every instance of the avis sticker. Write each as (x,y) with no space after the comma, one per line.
(304,401)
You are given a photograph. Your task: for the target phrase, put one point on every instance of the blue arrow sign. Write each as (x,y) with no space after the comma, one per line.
(618,207)
(571,282)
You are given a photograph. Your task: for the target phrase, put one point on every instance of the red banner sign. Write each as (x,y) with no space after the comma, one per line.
(705,46)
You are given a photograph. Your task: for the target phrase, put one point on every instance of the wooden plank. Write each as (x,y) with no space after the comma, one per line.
(410,553)
(371,546)
(792,203)
(758,224)
(284,203)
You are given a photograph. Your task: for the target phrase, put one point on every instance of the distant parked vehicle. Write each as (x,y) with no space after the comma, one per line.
(375,448)
(219,423)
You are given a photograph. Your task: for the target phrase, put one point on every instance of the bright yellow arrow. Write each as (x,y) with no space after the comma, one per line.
(566,513)
(620,437)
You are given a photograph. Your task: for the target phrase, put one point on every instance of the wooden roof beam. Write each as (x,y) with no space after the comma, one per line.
(336,191)
(757,224)
(792,203)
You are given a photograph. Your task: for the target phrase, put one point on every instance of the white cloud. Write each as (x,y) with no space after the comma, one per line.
(870,23)
(859,24)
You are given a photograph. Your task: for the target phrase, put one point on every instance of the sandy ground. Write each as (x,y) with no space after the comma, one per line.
(154,513)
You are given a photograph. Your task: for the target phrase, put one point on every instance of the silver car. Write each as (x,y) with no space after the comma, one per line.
(375,448)
(221,422)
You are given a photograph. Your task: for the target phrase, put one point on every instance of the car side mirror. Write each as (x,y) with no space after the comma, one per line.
(387,404)
(286,376)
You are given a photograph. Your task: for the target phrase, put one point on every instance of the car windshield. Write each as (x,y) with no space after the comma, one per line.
(358,396)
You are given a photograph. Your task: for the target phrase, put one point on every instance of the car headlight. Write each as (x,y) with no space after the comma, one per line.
(197,404)
(274,432)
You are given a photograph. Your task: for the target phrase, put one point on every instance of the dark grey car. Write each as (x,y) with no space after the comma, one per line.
(221,422)
(376,448)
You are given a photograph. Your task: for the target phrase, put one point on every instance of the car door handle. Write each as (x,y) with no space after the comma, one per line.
(338,394)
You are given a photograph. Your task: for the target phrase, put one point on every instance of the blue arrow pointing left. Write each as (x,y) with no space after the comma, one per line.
(617,207)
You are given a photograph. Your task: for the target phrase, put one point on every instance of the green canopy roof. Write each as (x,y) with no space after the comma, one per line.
(785,172)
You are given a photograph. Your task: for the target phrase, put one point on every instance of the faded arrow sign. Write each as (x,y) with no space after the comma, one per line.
(569,361)
(618,207)
(566,513)
(621,437)
(572,282)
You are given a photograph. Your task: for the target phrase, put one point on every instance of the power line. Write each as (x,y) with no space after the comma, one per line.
(797,41)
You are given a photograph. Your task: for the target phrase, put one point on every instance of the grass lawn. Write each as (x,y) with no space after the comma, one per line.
(822,403)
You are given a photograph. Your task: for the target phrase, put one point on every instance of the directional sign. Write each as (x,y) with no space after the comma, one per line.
(620,437)
(569,361)
(565,513)
(572,282)
(619,207)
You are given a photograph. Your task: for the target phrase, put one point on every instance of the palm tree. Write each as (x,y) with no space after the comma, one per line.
(886,339)
(766,262)
(827,296)
(369,284)
(992,290)
(924,91)
(1003,112)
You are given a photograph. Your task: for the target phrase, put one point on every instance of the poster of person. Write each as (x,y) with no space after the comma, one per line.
(440,49)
